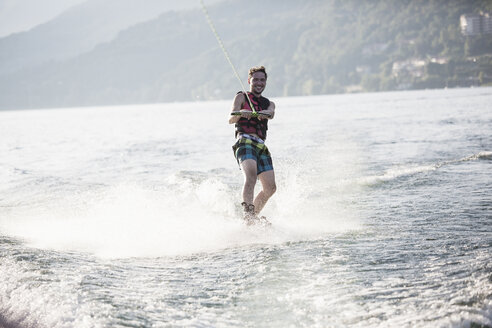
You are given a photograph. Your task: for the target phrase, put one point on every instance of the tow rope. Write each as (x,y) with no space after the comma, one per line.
(226,54)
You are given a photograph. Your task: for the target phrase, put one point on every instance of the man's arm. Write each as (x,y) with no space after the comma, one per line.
(270,111)
(236,107)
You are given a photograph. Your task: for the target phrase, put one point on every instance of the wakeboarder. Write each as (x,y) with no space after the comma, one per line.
(250,114)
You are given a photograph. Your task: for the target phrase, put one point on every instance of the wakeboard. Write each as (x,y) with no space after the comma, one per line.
(260,221)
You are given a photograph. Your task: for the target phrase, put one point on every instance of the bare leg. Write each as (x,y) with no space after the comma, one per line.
(248,167)
(267,180)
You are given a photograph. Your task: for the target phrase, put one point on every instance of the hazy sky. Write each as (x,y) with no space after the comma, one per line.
(22,15)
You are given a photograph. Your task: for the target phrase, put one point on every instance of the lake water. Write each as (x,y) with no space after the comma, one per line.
(128,216)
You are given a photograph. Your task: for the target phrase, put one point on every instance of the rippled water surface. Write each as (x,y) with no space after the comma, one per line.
(128,216)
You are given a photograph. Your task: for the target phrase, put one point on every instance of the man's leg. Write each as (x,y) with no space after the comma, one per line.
(248,167)
(267,180)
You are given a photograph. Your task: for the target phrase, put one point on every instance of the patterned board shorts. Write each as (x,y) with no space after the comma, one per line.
(249,149)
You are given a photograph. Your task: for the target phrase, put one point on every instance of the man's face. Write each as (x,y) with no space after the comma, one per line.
(257,83)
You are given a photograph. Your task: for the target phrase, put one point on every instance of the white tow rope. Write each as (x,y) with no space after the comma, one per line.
(226,54)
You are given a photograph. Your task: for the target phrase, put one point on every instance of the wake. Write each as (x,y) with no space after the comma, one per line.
(405,171)
(191,212)
(188,214)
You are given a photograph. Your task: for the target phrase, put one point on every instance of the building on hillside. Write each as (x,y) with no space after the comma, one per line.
(486,23)
(476,24)
(470,24)
(439,60)
(411,67)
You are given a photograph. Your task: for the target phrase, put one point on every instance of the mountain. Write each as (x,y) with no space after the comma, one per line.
(154,61)
(79,29)
(308,47)
(22,15)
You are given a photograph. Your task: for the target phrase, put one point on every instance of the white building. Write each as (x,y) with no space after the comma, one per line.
(412,67)
(476,24)
(486,23)
(470,24)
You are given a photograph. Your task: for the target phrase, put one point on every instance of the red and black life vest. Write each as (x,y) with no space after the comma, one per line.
(253,125)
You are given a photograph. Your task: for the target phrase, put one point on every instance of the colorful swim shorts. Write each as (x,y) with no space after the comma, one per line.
(249,149)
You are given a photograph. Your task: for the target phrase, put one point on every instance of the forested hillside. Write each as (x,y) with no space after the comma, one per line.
(309,47)
(387,45)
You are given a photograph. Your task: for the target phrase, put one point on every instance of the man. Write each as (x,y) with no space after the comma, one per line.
(250,150)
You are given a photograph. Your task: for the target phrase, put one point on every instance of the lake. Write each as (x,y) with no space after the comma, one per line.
(128,216)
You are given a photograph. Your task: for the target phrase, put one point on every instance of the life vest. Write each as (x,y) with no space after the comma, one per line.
(253,125)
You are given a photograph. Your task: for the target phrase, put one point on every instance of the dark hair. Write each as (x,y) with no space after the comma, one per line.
(255,69)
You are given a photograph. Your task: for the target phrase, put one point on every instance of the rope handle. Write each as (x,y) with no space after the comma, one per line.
(253,114)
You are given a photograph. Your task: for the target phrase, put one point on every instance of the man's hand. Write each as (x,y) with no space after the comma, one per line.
(264,115)
(246,114)
(261,115)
